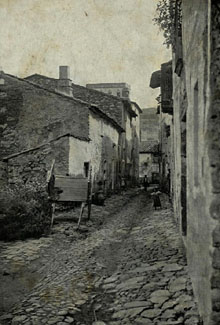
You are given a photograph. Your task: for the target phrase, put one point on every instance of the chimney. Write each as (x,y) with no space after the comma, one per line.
(126,91)
(64,82)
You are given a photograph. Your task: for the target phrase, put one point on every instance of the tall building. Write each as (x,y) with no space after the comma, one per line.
(149,144)
(149,124)
(190,94)
(121,89)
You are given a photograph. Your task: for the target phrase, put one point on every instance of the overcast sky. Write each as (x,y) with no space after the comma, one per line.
(101,41)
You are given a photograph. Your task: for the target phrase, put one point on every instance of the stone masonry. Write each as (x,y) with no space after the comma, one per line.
(31,115)
(196,149)
(126,271)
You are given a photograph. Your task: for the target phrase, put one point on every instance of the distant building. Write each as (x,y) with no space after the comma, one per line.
(149,160)
(163,79)
(116,89)
(149,144)
(149,124)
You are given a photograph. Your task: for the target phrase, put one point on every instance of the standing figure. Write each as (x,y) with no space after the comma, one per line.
(99,197)
(123,184)
(145,183)
(156,199)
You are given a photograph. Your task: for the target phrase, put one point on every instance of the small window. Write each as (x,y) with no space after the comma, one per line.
(118,93)
(86,169)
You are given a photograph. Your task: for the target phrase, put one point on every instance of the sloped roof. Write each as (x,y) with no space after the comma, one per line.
(137,106)
(50,87)
(109,104)
(149,147)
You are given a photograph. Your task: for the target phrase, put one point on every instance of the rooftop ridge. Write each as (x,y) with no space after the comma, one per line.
(89,104)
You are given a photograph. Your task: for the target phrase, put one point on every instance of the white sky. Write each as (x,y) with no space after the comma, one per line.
(101,41)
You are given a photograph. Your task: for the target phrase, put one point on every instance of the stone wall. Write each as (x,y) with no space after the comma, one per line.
(102,152)
(200,145)
(119,110)
(110,105)
(131,148)
(32,165)
(213,143)
(105,155)
(3,174)
(31,116)
(34,116)
(179,142)
(166,148)
(11,101)
(79,153)
(70,154)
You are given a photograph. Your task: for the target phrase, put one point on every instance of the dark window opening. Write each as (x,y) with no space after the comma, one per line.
(196,135)
(86,169)
(184,206)
(183,180)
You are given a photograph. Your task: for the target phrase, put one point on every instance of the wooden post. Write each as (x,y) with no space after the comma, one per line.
(81,214)
(89,200)
(52,214)
(50,191)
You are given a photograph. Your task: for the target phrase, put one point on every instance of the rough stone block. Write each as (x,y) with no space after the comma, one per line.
(216,258)
(216,179)
(216,236)
(215,279)
(215,318)
(215,295)
(215,208)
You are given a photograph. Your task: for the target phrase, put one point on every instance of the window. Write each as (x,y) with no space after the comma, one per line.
(86,169)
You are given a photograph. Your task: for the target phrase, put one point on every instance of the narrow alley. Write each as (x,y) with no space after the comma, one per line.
(126,266)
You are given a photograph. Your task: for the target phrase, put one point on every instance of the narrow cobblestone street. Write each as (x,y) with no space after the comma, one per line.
(126,266)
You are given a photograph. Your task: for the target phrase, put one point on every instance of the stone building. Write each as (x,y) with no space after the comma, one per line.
(196,143)
(149,145)
(116,89)
(149,124)
(123,111)
(196,146)
(40,125)
(149,156)
(163,79)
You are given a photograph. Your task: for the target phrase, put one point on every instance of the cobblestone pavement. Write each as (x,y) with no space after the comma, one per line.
(127,269)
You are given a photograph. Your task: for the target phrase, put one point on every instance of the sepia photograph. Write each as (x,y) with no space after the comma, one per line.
(110,162)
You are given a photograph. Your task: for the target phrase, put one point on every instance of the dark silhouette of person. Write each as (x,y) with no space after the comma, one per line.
(156,199)
(145,183)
